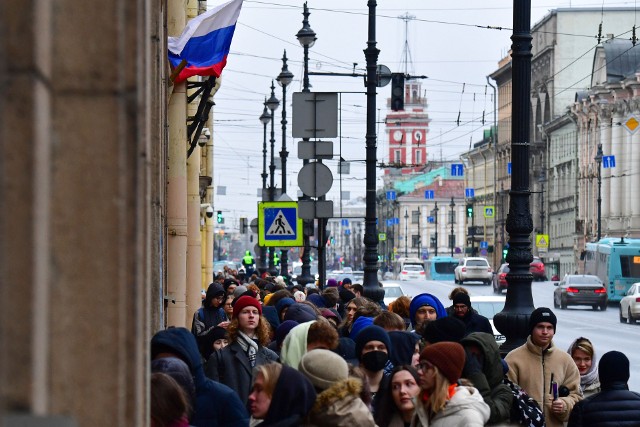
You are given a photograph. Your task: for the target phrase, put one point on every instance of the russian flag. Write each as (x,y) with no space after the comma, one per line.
(205,42)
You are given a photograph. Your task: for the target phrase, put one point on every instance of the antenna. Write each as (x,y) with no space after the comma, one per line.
(406,52)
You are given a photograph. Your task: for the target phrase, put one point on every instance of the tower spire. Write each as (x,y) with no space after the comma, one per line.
(406,59)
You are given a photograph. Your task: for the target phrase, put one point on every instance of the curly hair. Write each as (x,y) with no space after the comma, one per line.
(401,306)
(323,333)
(263,331)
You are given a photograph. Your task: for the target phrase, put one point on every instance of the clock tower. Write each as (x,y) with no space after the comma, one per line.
(407,132)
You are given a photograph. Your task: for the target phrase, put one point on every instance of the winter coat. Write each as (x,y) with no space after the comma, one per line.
(532,368)
(488,381)
(215,404)
(466,408)
(207,317)
(230,366)
(475,322)
(340,406)
(614,406)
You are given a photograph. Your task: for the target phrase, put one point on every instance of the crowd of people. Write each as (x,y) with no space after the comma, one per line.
(262,352)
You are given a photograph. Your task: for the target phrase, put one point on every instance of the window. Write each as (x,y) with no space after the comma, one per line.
(415,241)
(417,155)
(396,156)
(415,217)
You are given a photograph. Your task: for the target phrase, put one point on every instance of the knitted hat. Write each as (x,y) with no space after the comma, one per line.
(317,300)
(299,296)
(422,300)
(444,329)
(300,312)
(314,366)
(462,298)
(448,357)
(239,291)
(328,314)
(371,333)
(360,323)
(332,283)
(346,281)
(284,303)
(245,301)
(613,367)
(542,314)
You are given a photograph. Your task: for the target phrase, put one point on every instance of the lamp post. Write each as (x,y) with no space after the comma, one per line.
(598,160)
(452,237)
(406,236)
(284,78)
(265,118)
(419,234)
(272,104)
(306,37)
(513,320)
(436,234)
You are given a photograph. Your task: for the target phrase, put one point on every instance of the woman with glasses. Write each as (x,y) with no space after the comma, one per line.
(248,336)
(442,401)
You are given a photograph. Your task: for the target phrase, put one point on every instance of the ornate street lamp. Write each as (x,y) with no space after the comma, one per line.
(452,205)
(436,236)
(284,78)
(406,223)
(272,104)
(598,160)
(307,37)
(265,118)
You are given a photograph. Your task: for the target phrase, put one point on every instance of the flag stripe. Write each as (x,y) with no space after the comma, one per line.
(206,50)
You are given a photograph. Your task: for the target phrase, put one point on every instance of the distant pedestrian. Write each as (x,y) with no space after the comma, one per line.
(473,322)
(210,315)
(248,263)
(615,405)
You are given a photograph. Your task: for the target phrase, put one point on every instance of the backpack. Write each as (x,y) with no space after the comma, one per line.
(524,409)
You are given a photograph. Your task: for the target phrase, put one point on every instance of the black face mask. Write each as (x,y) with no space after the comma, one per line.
(374,360)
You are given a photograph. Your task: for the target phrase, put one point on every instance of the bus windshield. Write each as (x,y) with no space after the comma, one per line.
(630,266)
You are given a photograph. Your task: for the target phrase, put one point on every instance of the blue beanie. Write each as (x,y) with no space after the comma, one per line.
(371,333)
(422,300)
(284,303)
(284,329)
(360,323)
(317,300)
(301,313)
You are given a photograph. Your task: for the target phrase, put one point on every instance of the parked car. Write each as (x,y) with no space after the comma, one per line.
(473,269)
(630,305)
(580,289)
(392,291)
(500,279)
(489,306)
(537,269)
(412,272)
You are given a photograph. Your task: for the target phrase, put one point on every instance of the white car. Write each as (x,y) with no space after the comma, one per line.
(392,291)
(630,305)
(489,306)
(412,272)
(473,269)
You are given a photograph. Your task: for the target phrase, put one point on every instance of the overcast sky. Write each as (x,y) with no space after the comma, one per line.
(448,41)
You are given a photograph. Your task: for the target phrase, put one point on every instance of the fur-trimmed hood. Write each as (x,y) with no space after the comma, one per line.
(340,405)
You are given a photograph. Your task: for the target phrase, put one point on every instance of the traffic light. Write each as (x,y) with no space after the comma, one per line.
(219,218)
(505,251)
(469,210)
(397,92)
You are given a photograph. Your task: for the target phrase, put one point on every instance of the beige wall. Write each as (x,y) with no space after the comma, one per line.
(82,140)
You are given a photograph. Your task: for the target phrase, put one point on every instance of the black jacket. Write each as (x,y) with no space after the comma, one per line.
(614,406)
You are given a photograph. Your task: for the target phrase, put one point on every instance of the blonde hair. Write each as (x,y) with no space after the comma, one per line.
(439,396)
(583,344)
(270,372)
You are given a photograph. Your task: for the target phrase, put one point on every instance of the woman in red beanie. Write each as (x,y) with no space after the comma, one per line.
(442,402)
(249,334)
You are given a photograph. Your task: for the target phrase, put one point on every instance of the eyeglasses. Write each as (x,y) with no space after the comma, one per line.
(424,366)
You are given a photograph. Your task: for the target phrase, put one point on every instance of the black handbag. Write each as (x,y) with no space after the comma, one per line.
(524,409)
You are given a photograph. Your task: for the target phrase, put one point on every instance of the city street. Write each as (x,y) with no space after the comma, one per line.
(601,327)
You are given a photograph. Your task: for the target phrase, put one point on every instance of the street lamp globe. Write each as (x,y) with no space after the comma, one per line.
(306,36)
(285,77)
(265,117)
(272,102)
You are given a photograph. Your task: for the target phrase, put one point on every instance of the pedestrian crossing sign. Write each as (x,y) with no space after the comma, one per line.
(542,241)
(279,224)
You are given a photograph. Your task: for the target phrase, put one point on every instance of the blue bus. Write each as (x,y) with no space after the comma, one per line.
(616,261)
(441,267)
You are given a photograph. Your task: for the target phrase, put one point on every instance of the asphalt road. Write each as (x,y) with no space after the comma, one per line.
(603,328)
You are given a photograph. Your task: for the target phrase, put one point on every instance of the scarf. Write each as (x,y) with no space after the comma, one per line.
(249,346)
(588,379)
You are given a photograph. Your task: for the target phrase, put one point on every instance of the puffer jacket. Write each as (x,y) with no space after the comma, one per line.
(489,382)
(340,406)
(615,406)
(531,368)
(466,408)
